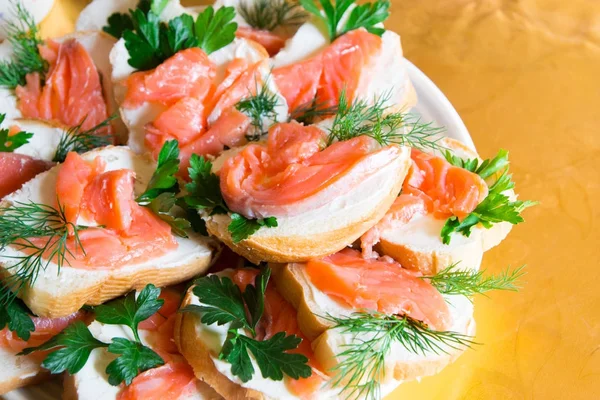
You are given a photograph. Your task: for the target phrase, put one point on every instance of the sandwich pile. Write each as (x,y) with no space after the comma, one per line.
(233,201)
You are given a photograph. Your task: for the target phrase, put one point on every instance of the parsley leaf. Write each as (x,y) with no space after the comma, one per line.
(118,23)
(134,359)
(162,206)
(362,16)
(16,315)
(496,207)
(151,42)
(223,302)
(241,227)
(75,344)
(204,189)
(9,143)
(163,179)
(271,356)
(130,311)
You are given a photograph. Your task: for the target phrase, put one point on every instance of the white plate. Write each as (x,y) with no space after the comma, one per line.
(432,106)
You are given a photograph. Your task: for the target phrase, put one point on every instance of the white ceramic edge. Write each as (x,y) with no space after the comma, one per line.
(432,105)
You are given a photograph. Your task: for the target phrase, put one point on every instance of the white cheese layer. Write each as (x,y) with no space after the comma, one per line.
(213,337)
(45,140)
(309,40)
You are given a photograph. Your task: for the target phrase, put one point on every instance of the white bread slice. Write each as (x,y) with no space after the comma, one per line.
(91,382)
(201,344)
(401,365)
(45,140)
(38,9)
(324,230)
(418,244)
(95,15)
(98,45)
(57,294)
(137,118)
(18,371)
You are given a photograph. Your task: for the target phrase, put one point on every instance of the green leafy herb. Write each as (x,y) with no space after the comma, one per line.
(242,227)
(80,141)
(259,108)
(134,359)
(151,42)
(163,206)
(362,364)
(118,23)
(366,16)
(308,113)
(130,311)
(496,207)
(222,303)
(360,118)
(272,14)
(452,281)
(16,315)
(163,179)
(70,349)
(9,143)
(24,38)
(43,232)
(204,193)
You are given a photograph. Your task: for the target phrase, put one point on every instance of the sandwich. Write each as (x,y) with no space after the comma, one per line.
(95,227)
(454,206)
(124,356)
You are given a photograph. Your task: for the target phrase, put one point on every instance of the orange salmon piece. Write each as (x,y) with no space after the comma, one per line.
(108,199)
(172,301)
(73,177)
(449,190)
(72,92)
(299,82)
(16,169)
(270,41)
(280,316)
(378,285)
(168,381)
(189,73)
(45,329)
(343,63)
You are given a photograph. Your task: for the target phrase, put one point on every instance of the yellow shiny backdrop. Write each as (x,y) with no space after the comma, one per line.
(524,75)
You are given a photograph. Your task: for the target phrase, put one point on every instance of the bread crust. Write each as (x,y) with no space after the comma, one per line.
(198,356)
(113,285)
(18,382)
(24,370)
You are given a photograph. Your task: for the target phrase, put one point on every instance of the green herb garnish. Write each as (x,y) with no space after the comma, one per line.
(70,349)
(204,193)
(362,362)
(271,14)
(16,315)
(120,22)
(259,107)
(80,141)
(366,16)
(224,303)
(8,142)
(23,35)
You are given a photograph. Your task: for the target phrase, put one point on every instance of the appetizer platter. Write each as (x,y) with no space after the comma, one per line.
(251,199)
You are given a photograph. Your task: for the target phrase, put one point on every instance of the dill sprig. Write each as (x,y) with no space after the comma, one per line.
(259,107)
(20,223)
(271,14)
(362,364)
(80,141)
(452,281)
(309,112)
(373,120)
(24,37)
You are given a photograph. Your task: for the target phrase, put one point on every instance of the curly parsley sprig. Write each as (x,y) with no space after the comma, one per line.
(23,35)
(71,349)
(204,193)
(367,15)
(224,303)
(497,206)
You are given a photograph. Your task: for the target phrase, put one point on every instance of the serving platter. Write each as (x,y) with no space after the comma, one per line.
(433,106)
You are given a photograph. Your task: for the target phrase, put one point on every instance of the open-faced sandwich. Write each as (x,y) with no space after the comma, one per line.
(278,135)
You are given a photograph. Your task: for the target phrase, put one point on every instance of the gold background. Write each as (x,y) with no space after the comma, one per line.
(525,76)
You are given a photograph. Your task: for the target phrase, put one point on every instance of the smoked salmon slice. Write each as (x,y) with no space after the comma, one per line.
(378,285)
(16,169)
(169,381)
(279,179)
(132,233)
(45,329)
(269,40)
(71,92)
(337,68)
(281,316)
